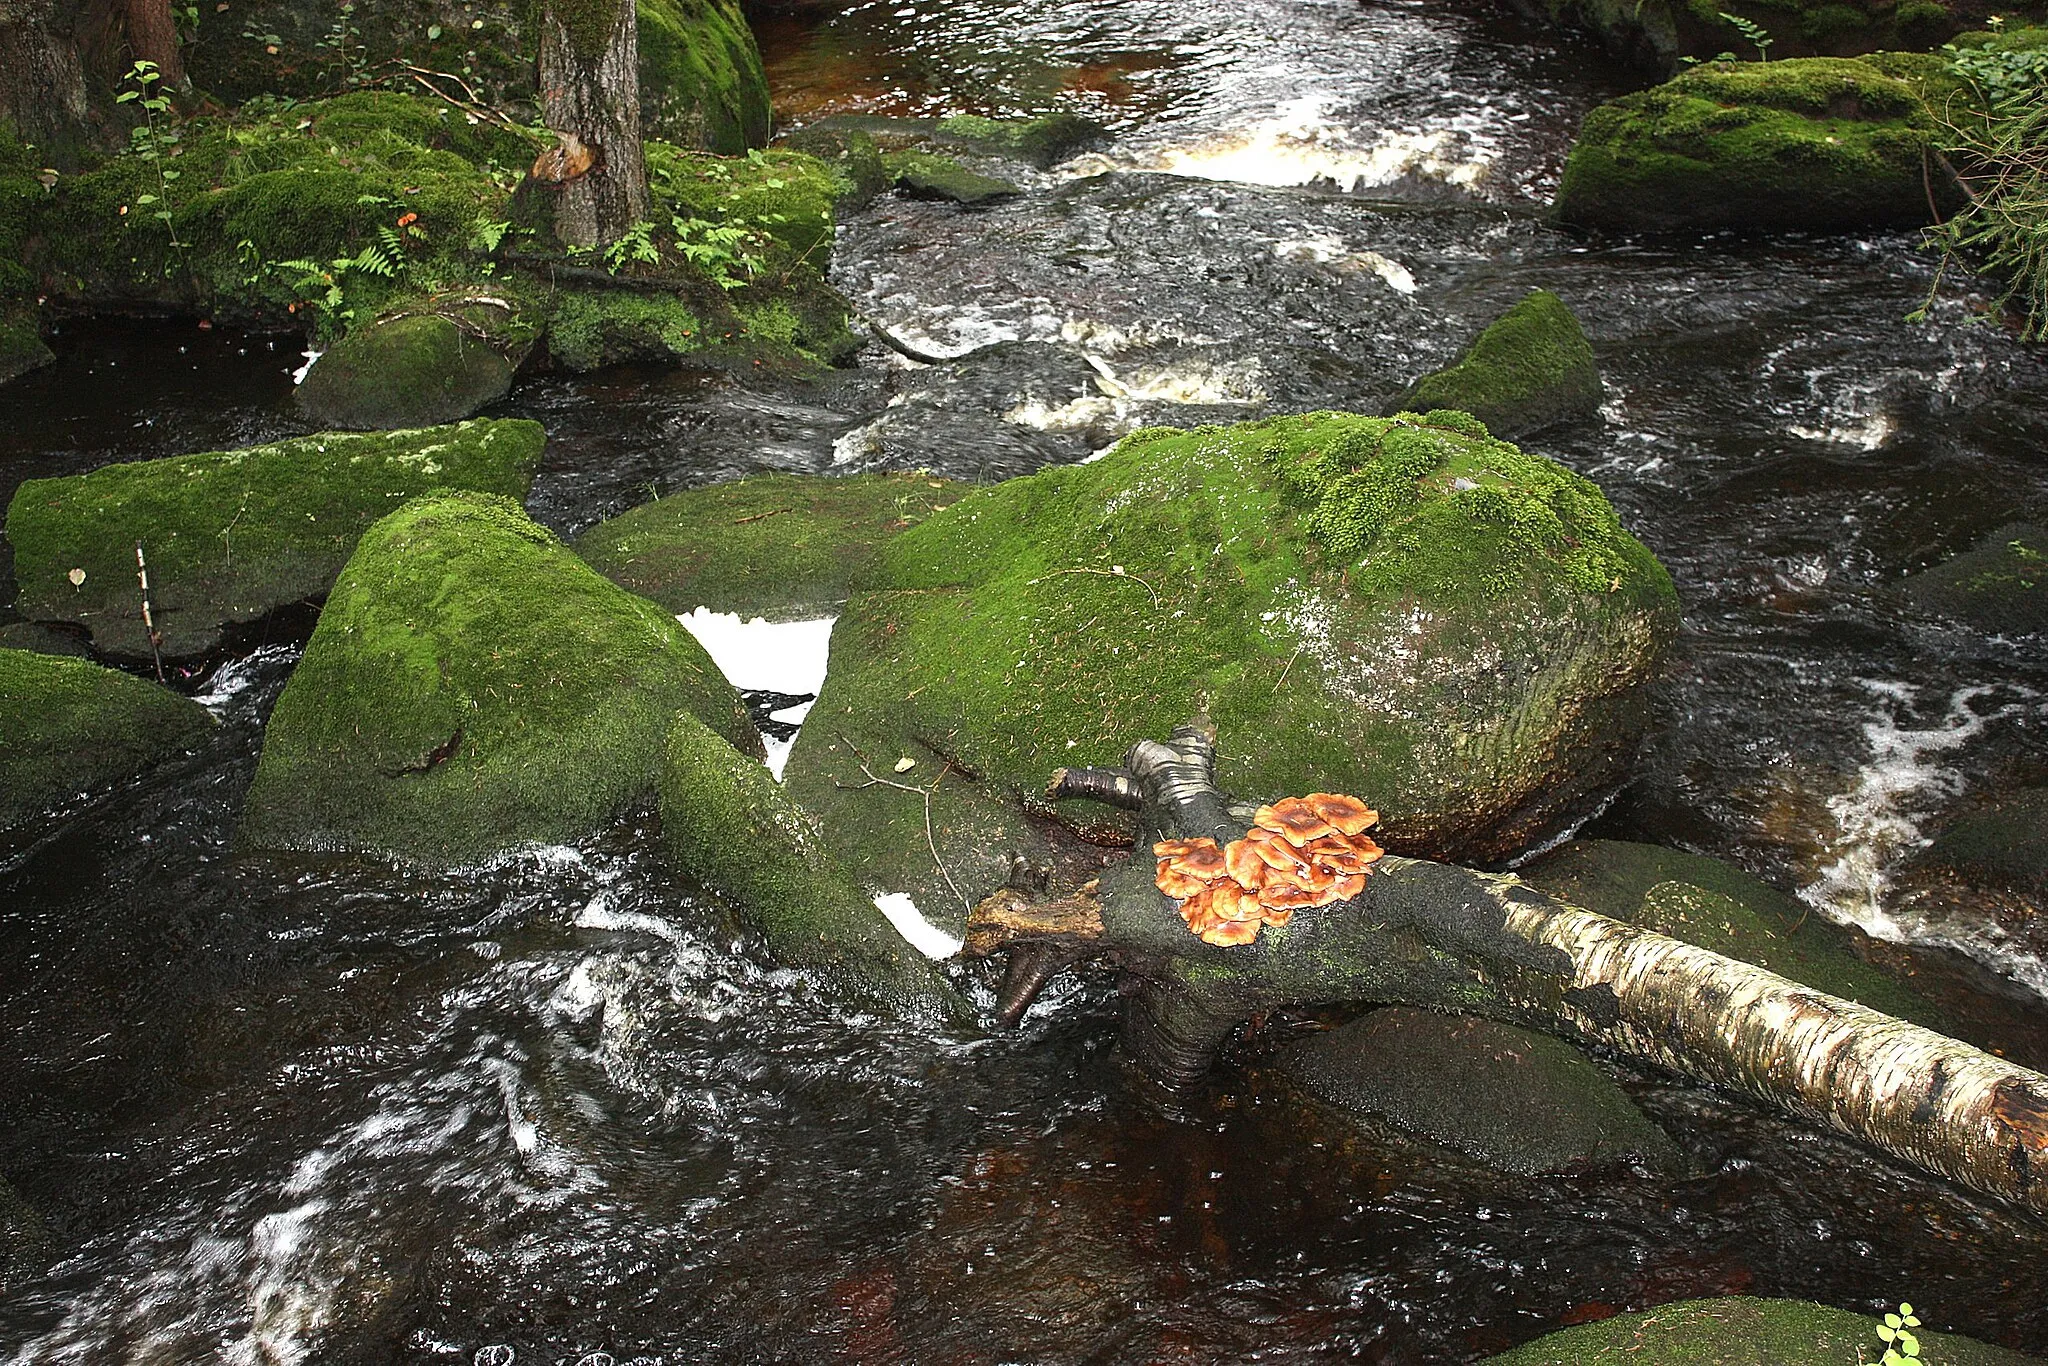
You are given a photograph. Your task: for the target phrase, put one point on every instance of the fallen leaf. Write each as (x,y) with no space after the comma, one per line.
(77,577)
(905,765)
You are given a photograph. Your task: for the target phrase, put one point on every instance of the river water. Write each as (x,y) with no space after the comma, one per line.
(557,1110)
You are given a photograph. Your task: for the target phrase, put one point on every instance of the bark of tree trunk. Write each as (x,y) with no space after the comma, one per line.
(1433,935)
(590,97)
(153,37)
(42,84)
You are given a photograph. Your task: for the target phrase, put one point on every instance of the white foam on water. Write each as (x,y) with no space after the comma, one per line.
(927,938)
(862,443)
(770,656)
(1865,434)
(1333,251)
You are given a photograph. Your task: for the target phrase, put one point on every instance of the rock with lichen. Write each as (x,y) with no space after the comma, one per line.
(1817,143)
(473,686)
(1999,585)
(230,536)
(1740,1331)
(1530,368)
(1403,608)
(73,728)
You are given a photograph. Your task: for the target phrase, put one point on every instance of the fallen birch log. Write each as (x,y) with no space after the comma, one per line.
(1450,938)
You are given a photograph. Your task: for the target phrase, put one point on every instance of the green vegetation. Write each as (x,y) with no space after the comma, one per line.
(472,686)
(778,545)
(1901,1347)
(232,535)
(73,727)
(1530,368)
(701,83)
(1737,1331)
(414,370)
(930,175)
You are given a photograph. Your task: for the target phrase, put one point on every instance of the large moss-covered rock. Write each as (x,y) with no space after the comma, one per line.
(1740,1331)
(1999,585)
(233,535)
(729,825)
(413,371)
(72,727)
(1400,608)
(1660,34)
(474,686)
(1818,143)
(1714,906)
(701,82)
(1530,368)
(779,546)
(1520,1102)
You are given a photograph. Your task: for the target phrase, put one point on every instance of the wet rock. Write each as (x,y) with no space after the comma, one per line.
(1986,873)
(233,535)
(473,686)
(414,371)
(1817,143)
(21,344)
(1520,1102)
(73,727)
(930,175)
(1740,1331)
(728,824)
(1718,907)
(44,639)
(24,1242)
(2000,585)
(1407,610)
(1532,367)
(1043,142)
(781,546)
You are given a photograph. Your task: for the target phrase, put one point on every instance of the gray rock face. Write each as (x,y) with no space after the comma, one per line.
(1999,585)
(1521,1102)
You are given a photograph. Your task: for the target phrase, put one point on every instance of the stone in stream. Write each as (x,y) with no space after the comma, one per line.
(73,728)
(1404,609)
(1817,143)
(1516,1101)
(473,686)
(24,1241)
(416,370)
(933,175)
(781,546)
(1532,367)
(1741,1331)
(231,536)
(1986,873)
(1043,142)
(21,343)
(1999,585)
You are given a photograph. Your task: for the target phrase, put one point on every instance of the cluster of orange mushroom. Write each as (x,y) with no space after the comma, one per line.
(1300,852)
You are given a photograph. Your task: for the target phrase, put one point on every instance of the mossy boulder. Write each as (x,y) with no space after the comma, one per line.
(412,371)
(73,727)
(701,82)
(933,175)
(1044,142)
(1530,368)
(233,535)
(1817,143)
(1714,906)
(780,546)
(726,823)
(473,686)
(1513,1100)
(1660,34)
(1401,608)
(1999,585)
(853,155)
(1740,1331)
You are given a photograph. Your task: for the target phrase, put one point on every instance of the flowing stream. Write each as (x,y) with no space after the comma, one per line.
(555,1109)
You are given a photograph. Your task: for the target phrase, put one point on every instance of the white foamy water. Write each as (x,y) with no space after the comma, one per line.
(767,656)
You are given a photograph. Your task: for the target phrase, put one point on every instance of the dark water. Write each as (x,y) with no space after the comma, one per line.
(558,1110)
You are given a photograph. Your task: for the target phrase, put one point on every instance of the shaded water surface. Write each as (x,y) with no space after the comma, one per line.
(558,1109)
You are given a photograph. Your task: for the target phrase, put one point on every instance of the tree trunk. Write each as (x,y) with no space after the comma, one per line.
(153,37)
(42,85)
(590,98)
(1429,934)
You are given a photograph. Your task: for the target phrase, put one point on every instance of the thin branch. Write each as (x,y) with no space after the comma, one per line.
(924,792)
(1118,573)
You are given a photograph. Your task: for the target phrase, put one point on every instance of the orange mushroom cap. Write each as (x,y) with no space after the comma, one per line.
(1187,866)
(1294,818)
(1347,815)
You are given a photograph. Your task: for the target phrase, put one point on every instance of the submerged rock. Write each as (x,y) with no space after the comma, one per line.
(729,825)
(1514,1100)
(1986,873)
(1530,368)
(72,727)
(412,371)
(932,175)
(1817,143)
(1043,142)
(473,686)
(780,545)
(1740,1331)
(1404,609)
(1999,585)
(233,535)
(1715,906)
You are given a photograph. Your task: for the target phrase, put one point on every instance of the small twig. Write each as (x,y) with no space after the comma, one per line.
(771,512)
(1118,573)
(924,792)
(148,622)
(475,105)
(1284,668)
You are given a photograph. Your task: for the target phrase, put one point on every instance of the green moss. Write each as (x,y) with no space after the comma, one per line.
(1530,368)
(1740,1331)
(231,535)
(928,175)
(728,824)
(1816,143)
(73,727)
(21,343)
(785,196)
(1044,142)
(1723,909)
(413,371)
(1999,585)
(701,83)
(778,545)
(473,686)
(603,327)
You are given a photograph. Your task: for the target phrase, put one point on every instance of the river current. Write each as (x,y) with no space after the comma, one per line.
(556,1109)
